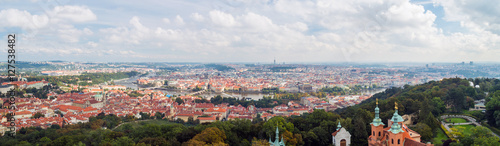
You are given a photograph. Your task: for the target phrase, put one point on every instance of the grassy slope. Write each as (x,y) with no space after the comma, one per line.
(455,120)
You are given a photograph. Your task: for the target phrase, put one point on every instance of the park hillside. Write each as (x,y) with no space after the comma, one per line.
(424,104)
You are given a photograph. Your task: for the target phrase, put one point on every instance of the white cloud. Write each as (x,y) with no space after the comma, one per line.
(221,18)
(197,17)
(179,20)
(92,44)
(87,31)
(69,34)
(166,20)
(257,22)
(291,30)
(475,14)
(22,19)
(72,13)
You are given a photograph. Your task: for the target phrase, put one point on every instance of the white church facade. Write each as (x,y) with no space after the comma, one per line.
(341,137)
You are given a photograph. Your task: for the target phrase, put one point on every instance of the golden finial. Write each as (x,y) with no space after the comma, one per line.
(396,105)
(377,100)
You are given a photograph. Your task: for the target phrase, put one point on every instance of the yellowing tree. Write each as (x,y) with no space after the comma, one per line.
(209,136)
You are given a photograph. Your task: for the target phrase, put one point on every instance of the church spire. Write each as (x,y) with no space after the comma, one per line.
(277,134)
(339,126)
(277,141)
(377,110)
(377,121)
(396,118)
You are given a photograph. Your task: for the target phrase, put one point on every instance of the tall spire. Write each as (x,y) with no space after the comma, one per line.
(377,121)
(277,133)
(339,126)
(396,118)
(377,110)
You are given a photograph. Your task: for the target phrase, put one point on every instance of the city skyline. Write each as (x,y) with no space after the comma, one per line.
(257,31)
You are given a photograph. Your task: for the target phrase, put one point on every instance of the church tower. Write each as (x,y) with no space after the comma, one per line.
(172,111)
(377,125)
(395,135)
(396,132)
(396,118)
(277,141)
(341,137)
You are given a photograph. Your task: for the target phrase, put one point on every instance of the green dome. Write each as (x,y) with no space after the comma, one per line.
(377,121)
(396,128)
(396,118)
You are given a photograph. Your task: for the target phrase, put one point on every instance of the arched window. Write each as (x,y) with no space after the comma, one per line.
(379,133)
(373,132)
(392,140)
(399,141)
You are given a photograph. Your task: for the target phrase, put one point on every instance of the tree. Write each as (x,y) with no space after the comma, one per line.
(270,126)
(154,141)
(438,105)
(257,119)
(123,141)
(149,130)
(80,144)
(456,98)
(479,135)
(292,139)
(194,143)
(23,143)
(190,121)
(44,141)
(259,142)
(179,101)
(158,115)
(179,120)
(211,135)
(310,138)
(145,115)
(242,128)
(186,134)
(493,111)
(216,100)
(64,140)
(55,126)
(424,130)
(346,123)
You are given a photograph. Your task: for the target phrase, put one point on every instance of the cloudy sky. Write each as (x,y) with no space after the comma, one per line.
(253,30)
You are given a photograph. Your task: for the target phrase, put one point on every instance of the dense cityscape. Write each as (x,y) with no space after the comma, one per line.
(72,93)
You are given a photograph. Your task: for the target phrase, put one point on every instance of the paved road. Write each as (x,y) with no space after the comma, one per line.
(470,119)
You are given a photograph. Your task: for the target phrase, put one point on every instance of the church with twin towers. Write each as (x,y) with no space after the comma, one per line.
(395,134)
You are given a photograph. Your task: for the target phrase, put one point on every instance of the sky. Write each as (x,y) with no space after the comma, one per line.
(253,30)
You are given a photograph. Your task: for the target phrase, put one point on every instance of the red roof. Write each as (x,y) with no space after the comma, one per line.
(23,113)
(335,133)
(216,109)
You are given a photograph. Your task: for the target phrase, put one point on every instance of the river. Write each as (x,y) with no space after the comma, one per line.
(129,82)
